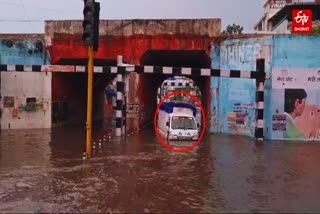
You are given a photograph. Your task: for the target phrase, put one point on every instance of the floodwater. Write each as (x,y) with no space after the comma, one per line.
(43,171)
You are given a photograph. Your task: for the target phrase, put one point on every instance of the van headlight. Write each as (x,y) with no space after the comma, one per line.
(173,137)
(195,137)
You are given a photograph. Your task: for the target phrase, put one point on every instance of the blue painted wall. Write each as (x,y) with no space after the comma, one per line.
(239,94)
(294,51)
(25,52)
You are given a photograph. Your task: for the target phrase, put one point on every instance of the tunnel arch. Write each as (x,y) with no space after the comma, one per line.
(181,83)
(178,83)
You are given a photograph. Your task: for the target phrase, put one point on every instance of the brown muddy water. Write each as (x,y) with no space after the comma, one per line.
(43,171)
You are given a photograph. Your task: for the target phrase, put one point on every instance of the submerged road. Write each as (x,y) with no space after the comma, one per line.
(43,171)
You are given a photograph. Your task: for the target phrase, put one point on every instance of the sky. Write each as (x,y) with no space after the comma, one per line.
(28,16)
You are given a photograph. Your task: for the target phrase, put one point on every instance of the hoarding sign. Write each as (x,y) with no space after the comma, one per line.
(58,68)
(277,4)
(133,110)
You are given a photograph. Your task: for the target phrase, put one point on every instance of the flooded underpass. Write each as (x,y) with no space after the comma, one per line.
(43,171)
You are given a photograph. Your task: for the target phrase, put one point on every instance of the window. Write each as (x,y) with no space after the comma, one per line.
(183,123)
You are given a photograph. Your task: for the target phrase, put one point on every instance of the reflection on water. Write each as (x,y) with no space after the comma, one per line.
(43,171)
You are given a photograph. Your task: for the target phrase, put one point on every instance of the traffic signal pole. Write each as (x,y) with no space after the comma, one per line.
(91,12)
(89,104)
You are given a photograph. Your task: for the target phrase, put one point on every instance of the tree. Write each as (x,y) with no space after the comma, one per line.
(233,29)
(316,30)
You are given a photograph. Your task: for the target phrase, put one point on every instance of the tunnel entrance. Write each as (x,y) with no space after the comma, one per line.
(148,84)
(69,99)
(69,94)
(181,83)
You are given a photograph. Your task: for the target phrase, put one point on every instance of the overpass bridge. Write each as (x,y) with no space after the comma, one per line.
(158,74)
(157,49)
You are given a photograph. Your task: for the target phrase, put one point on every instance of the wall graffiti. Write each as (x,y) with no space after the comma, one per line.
(31,107)
(235,100)
(242,54)
(8,102)
(27,51)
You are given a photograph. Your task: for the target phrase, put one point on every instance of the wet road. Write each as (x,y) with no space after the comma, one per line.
(43,171)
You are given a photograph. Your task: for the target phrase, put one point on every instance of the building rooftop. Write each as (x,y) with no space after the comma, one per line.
(260,21)
(20,37)
(198,27)
(285,12)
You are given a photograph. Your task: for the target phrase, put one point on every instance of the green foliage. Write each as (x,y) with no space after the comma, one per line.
(233,29)
(316,30)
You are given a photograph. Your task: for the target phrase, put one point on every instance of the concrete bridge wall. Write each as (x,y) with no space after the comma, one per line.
(19,90)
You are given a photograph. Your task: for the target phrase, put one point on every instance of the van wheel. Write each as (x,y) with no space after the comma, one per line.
(168,139)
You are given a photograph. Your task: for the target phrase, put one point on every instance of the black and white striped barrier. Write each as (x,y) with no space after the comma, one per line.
(260,79)
(119,108)
(185,84)
(140,69)
(122,89)
(120,100)
(179,84)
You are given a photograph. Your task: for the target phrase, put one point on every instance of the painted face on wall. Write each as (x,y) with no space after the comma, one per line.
(309,120)
(300,106)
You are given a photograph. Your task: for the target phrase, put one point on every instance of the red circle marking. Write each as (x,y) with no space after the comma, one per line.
(156,128)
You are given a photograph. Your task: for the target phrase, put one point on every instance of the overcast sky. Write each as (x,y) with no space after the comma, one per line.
(27,16)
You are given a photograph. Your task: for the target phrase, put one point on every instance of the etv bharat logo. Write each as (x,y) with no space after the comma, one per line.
(301,21)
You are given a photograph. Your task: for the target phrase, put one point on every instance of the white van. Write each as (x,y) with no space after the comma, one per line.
(176,121)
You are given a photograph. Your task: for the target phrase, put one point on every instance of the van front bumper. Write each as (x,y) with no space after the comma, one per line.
(175,137)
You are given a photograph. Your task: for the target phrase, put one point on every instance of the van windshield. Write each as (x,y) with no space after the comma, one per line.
(183,123)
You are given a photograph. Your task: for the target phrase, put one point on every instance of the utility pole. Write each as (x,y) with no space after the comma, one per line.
(90,38)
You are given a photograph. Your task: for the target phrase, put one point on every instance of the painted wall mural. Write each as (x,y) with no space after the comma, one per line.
(243,53)
(23,52)
(296,88)
(296,98)
(234,99)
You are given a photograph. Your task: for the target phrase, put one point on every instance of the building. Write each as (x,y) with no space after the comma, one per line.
(277,15)
(281,22)
(271,7)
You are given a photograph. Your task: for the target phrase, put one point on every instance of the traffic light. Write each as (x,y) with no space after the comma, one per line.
(91,13)
(96,26)
(88,22)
